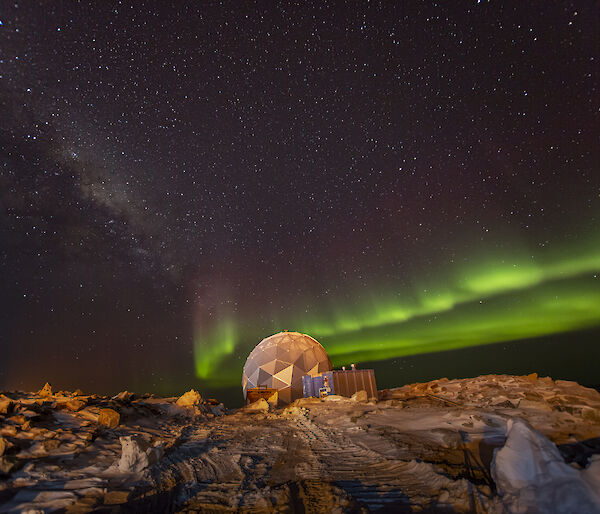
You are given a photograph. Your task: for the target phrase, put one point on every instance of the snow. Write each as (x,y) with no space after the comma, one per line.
(531,475)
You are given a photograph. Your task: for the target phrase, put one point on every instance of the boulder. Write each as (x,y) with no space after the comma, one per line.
(360,396)
(75,405)
(46,390)
(260,405)
(8,430)
(124,396)
(109,418)
(189,399)
(6,405)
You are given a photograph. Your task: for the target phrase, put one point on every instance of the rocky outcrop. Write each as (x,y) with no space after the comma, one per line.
(421,447)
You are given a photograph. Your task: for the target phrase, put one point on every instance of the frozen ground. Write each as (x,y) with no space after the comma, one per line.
(488,444)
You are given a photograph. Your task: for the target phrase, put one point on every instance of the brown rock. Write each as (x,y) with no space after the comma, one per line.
(360,396)
(6,465)
(3,445)
(17,420)
(586,412)
(9,430)
(532,377)
(189,399)
(124,396)
(46,390)
(116,497)
(6,405)
(78,392)
(109,418)
(50,444)
(75,405)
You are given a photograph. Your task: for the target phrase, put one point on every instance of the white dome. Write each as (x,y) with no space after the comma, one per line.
(281,360)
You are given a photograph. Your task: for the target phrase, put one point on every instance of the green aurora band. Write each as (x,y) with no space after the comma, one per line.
(501,298)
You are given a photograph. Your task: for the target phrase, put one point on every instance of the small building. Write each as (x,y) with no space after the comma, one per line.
(344,382)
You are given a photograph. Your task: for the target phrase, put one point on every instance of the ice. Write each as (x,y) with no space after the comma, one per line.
(531,475)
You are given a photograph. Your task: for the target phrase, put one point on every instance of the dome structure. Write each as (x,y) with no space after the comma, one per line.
(281,360)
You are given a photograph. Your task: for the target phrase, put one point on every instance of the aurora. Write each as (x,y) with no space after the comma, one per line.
(474,302)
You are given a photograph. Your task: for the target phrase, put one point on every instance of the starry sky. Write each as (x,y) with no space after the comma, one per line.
(179,180)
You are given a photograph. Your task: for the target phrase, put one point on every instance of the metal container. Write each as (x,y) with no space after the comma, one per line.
(341,382)
(256,393)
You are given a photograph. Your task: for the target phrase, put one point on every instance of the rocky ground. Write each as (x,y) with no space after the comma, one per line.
(488,444)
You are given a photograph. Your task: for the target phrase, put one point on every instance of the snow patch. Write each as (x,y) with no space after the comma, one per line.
(531,475)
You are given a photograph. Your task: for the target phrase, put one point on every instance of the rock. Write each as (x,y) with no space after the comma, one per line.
(360,396)
(75,405)
(46,390)
(6,405)
(537,405)
(590,413)
(116,497)
(124,396)
(78,392)
(260,405)
(532,377)
(6,465)
(189,399)
(50,444)
(3,446)
(109,418)
(217,410)
(137,455)
(9,431)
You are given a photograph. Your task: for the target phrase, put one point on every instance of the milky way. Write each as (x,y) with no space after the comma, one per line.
(180,180)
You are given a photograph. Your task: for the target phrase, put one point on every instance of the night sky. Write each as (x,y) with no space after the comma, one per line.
(179,180)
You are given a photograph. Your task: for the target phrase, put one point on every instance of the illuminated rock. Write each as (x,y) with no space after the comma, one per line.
(46,390)
(189,399)
(6,405)
(75,405)
(109,418)
(281,360)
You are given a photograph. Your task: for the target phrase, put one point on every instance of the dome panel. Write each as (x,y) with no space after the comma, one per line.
(281,360)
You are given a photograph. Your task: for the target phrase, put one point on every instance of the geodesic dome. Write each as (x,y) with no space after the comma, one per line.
(281,360)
